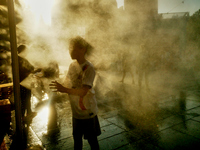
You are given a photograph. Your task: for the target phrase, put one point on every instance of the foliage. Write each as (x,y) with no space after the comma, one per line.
(194,27)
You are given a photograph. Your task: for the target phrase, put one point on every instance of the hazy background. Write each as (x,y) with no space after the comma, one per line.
(169,6)
(135,34)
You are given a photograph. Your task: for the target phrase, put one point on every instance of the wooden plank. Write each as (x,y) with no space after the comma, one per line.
(6,85)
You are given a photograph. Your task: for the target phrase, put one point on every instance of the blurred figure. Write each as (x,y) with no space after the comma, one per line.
(127,66)
(25,69)
(43,77)
(52,73)
(79,86)
(143,66)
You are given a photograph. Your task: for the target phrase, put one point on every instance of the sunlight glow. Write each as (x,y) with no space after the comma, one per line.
(43,116)
(41,9)
(120,3)
(45,97)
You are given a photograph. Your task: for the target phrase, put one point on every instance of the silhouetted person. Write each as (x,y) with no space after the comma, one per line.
(52,73)
(45,75)
(81,76)
(25,69)
(143,65)
(127,66)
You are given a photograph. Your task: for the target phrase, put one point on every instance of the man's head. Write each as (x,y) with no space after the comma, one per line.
(78,47)
(21,48)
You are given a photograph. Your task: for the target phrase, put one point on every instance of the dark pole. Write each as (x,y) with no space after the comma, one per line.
(15,72)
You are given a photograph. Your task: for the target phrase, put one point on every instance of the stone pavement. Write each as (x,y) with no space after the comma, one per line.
(130,119)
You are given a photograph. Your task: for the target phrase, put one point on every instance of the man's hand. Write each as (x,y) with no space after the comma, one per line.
(57,87)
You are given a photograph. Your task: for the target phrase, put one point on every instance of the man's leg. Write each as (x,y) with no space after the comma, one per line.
(78,142)
(123,76)
(77,133)
(94,144)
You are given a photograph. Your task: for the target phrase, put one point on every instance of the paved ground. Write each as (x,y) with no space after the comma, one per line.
(158,118)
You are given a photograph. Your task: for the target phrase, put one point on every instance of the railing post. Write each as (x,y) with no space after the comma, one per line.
(15,72)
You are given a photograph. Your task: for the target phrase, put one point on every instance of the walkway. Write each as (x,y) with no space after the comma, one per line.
(132,119)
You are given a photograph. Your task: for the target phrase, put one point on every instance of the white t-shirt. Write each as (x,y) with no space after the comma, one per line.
(77,76)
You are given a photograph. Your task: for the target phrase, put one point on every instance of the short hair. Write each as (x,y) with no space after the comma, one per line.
(81,43)
(21,48)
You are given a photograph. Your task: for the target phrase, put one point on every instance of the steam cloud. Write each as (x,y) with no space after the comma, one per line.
(115,34)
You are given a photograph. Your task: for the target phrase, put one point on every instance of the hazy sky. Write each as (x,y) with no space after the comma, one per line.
(169,6)
(120,3)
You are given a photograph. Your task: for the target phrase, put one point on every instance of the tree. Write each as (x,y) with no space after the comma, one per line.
(193,38)
(194,28)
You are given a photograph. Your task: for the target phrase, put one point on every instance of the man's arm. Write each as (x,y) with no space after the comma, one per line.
(57,87)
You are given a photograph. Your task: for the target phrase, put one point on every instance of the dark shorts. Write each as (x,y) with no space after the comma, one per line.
(87,127)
